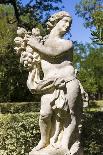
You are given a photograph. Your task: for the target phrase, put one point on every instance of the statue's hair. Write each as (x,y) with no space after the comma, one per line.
(54,19)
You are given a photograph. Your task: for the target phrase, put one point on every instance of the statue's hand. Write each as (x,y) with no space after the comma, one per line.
(32,42)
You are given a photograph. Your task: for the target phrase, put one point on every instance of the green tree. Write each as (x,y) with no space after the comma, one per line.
(89,61)
(92,13)
(33,13)
(12,75)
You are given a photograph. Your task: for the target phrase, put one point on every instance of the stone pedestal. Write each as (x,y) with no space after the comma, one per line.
(50,151)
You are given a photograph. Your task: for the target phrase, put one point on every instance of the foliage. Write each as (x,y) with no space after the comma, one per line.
(33,12)
(6,30)
(92,13)
(89,61)
(19,107)
(92,135)
(94,106)
(19,133)
(98,23)
(12,75)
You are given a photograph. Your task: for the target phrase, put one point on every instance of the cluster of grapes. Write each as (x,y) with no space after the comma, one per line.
(28,57)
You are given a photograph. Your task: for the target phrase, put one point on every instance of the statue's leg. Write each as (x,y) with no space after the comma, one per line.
(69,127)
(70,122)
(45,121)
(58,127)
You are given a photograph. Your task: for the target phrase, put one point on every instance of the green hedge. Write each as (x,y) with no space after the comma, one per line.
(20,133)
(19,107)
(92,135)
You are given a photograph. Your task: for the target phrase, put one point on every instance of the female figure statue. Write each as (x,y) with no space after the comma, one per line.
(61,106)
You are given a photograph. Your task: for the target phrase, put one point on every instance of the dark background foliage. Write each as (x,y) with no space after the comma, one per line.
(12,14)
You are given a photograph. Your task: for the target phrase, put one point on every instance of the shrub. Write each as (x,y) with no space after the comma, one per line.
(19,107)
(19,133)
(92,135)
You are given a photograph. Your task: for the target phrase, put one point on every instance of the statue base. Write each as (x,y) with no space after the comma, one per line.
(50,151)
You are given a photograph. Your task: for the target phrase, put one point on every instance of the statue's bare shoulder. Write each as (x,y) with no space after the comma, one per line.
(59,46)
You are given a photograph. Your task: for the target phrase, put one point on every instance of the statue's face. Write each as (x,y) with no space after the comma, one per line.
(63,25)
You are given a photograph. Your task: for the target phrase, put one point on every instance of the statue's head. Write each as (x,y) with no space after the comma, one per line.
(61,21)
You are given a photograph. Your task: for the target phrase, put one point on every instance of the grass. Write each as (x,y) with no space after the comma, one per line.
(99,103)
(95,106)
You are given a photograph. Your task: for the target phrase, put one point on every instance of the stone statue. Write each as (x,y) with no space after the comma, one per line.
(61,102)
(85,96)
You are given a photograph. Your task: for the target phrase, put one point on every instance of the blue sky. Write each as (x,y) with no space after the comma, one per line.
(78,31)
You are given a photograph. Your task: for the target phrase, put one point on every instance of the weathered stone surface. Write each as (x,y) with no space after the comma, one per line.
(61,106)
(49,151)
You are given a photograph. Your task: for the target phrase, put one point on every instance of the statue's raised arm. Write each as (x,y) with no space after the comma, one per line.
(55,45)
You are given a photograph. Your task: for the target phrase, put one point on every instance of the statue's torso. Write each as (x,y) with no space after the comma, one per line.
(60,66)
(55,70)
